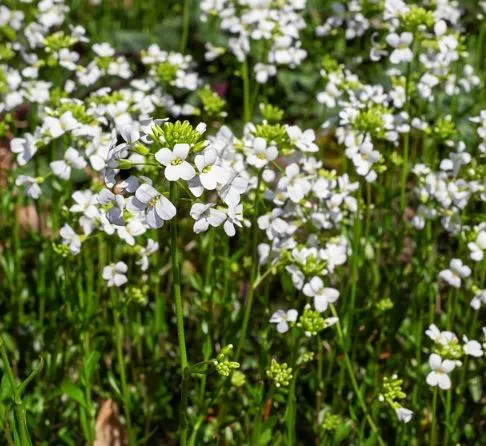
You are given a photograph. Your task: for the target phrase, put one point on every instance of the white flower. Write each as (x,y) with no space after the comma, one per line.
(322,296)
(401,43)
(114,274)
(455,273)
(440,337)
(303,140)
(152,246)
(210,174)
(364,157)
(30,184)
(234,218)
(297,187)
(68,59)
(72,158)
(85,203)
(478,299)
(24,148)
(116,203)
(472,348)
(282,318)
(403,414)
(157,208)
(261,154)
(440,370)
(478,247)
(263,72)
(176,166)
(103,49)
(131,230)
(205,215)
(70,238)
(55,127)
(233,189)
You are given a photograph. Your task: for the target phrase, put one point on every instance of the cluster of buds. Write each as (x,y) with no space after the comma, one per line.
(280,374)
(391,392)
(223,366)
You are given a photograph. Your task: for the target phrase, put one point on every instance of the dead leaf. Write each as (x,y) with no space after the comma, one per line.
(109,430)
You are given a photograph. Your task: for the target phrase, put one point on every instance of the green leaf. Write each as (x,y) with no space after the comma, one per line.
(73,392)
(343,431)
(6,392)
(114,385)
(476,388)
(90,364)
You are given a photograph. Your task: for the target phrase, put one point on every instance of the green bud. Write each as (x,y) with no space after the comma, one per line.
(280,374)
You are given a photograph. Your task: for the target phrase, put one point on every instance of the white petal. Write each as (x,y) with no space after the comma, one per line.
(181,151)
(320,303)
(61,169)
(393,40)
(165,156)
(153,219)
(186,171)
(444,381)
(331,294)
(432,378)
(201,225)
(165,209)
(292,315)
(145,193)
(435,361)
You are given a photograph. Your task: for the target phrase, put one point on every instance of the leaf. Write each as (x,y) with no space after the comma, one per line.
(73,392)
(207,348)
(476,388)
(265,437)
(5,389)
(343,431)
(114,385)
(90,364)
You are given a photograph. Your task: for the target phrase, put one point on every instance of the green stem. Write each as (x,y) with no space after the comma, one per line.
(406,146)
(349,367)
(185,25)
(121,368)
(254,267)
(433,427)
(354,264)
(246,91)
(17,399)
(176,283)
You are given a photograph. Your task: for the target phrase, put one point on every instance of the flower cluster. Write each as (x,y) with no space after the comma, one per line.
(267,29)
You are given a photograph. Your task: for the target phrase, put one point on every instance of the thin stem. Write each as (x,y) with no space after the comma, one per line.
(17,399)
(354,265)
(176,284)
(349,367)
(433,427)
(406,145)
(246,91)
(263,276)
(186,18)
(121,367)
(254,268)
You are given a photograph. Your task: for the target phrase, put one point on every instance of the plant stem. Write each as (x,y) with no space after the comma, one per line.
(349,367)
(121,367)
(176,284)
(246,91)
(406,145)
(254,268)
(433,427)
(185,25)
(354,265)
(17,400)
